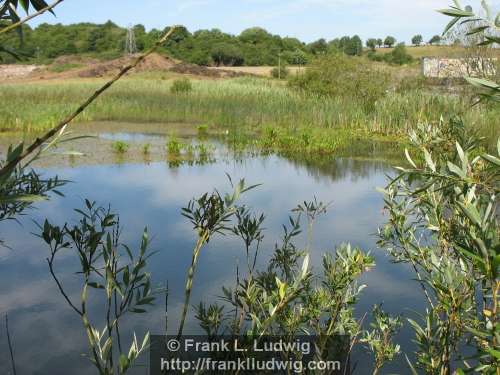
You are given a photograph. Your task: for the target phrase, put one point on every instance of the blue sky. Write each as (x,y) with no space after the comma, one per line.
(307,20)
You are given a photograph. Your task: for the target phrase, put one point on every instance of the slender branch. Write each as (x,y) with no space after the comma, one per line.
(117,327)
(11,350)
(51,269)
(30,17)
(44,138)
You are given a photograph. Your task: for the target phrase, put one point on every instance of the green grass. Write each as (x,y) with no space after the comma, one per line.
(242,106)
(59,68)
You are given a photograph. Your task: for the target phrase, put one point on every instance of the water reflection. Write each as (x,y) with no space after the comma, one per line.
(131,137)
(47,336)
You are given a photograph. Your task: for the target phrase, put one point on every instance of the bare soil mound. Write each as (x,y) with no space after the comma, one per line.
(74,66)
(153,62)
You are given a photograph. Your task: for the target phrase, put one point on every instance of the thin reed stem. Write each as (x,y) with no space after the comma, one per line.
(189,284)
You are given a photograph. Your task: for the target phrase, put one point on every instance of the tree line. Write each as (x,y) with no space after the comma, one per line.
(254,46)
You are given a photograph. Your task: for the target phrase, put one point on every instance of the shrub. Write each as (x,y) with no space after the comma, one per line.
(338,75)
(281,72)
(181,86)
(399,55)
(120,147)
(374,56)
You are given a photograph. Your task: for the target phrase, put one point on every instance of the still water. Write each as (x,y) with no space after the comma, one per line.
(47,336)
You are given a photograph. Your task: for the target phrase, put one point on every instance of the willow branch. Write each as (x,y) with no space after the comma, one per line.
(30,17)
(59,285)
(44,138)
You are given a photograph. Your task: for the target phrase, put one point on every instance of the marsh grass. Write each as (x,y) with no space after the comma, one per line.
(146,149)
(120,147)
(181,86)
(174,147)
(243,107)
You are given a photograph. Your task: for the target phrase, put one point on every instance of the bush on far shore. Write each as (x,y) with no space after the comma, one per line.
(338,75)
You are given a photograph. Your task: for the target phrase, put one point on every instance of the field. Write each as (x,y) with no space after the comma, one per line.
(286,119)
(431,51)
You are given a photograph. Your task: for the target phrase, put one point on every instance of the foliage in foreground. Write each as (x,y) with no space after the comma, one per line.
(443,221)
(125,285)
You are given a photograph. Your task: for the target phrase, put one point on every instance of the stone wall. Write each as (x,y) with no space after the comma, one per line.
(453,68)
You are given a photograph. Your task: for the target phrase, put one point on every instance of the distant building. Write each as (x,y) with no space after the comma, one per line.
(441,67)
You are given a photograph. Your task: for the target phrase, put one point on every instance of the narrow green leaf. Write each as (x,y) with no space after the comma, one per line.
(477,30)
(492,159)
(428,159)
(483,83)
(456,170)
(471,212)
(410,159)
(305,266)
(452,12)
(450,25)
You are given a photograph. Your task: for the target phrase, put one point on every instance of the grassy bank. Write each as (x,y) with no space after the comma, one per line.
(284,118)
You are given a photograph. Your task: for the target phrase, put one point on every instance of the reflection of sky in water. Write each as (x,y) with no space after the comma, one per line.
(131,137)
(48,336)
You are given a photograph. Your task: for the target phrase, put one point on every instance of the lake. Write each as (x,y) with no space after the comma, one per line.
(47,335)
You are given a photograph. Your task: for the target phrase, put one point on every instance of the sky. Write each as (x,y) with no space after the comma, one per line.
(307,20)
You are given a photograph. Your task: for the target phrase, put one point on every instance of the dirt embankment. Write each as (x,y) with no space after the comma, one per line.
(68,67)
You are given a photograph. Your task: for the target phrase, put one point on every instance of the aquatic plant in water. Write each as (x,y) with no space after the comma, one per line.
(120,147)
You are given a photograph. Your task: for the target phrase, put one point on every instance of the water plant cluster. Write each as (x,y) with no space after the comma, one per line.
(230,105)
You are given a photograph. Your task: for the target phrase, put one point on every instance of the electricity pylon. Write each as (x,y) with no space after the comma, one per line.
(130,44)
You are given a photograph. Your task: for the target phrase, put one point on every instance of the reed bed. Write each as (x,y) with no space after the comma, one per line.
(243,104)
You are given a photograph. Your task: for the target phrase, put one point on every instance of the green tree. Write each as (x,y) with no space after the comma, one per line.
(354,47)
(255,35)
(436,39)
(389,41)
(318,47)
(417,40)
(371,43)
(380,42)
(296,57)
(227,54)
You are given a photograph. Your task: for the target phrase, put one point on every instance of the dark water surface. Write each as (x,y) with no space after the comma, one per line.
(47,335)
